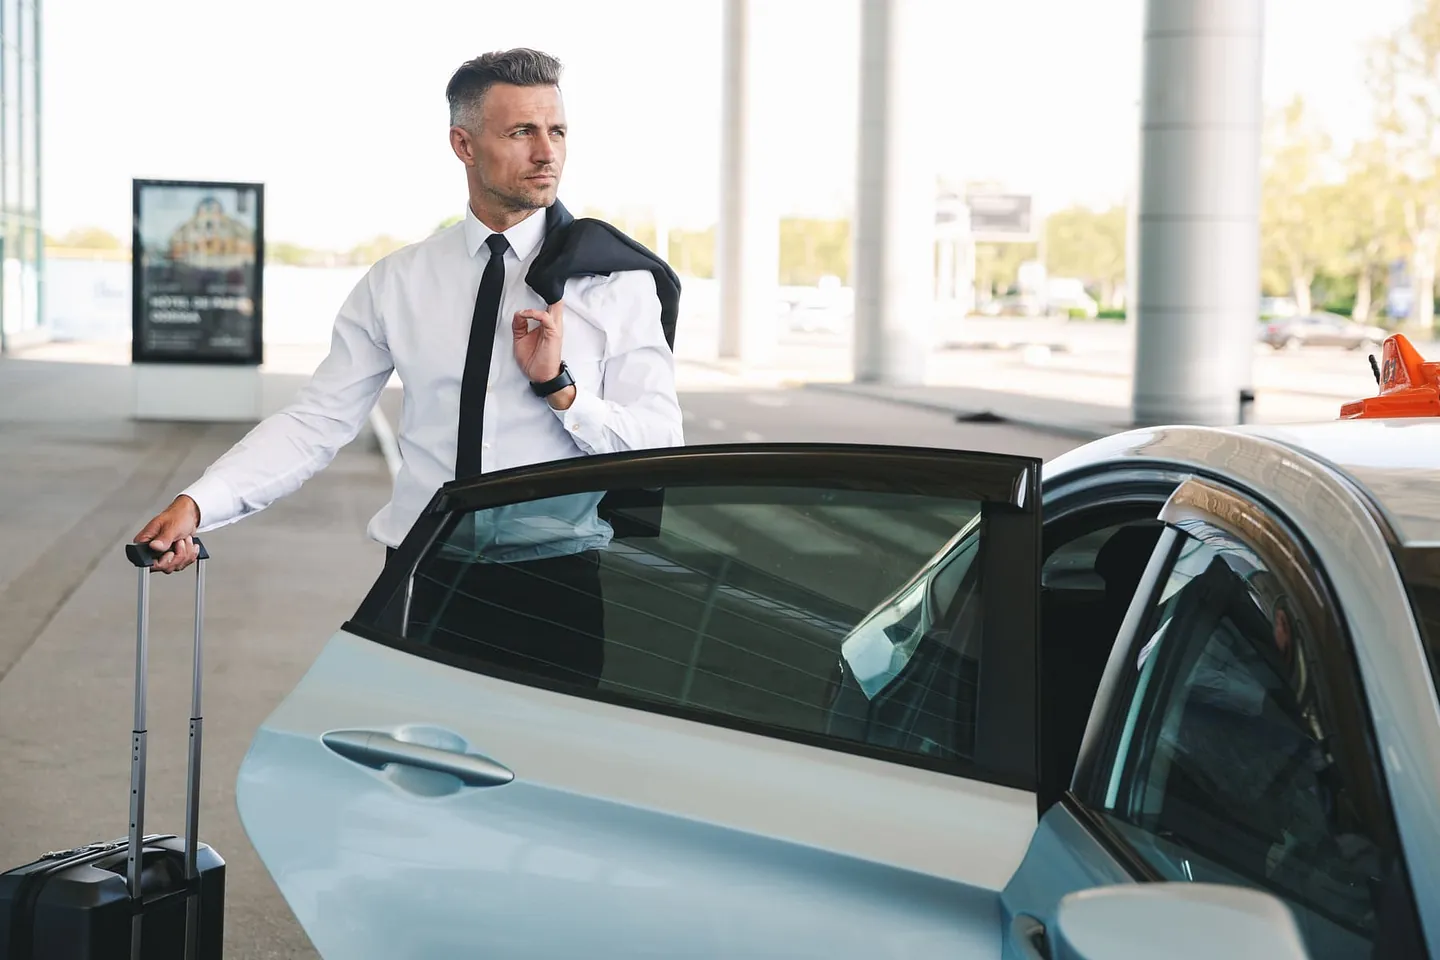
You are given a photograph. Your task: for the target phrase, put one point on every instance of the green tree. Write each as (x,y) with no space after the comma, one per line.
(1370,219)
(811,249)
(1089,245)
(447,223)
(88,238)
(374,249)
(1294,224)
(289,254)
(692,252)
(1405,82)
(997,266)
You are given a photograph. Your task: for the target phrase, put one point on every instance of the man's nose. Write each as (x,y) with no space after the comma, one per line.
(544,152)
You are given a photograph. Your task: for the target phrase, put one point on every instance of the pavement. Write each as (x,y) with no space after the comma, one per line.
(82,477)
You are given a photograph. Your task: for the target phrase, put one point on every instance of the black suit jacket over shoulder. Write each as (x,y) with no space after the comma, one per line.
(589,247)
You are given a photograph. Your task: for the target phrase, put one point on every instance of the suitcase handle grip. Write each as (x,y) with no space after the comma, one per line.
(144,555)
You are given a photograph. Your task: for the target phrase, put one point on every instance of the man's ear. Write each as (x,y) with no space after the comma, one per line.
(463,145)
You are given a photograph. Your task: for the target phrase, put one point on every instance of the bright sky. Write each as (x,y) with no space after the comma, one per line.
(339,106)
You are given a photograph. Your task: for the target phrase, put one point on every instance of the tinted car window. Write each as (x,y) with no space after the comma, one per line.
(846,616)
(1226,766)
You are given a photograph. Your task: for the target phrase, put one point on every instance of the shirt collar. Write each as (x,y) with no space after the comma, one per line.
(524,237)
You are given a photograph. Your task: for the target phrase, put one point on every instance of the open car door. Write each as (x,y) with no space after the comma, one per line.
(663,704)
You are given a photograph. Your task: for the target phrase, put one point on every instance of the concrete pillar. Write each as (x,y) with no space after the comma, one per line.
(748,237)
(965,278)
(894,253)
(1198,243)
(945,281)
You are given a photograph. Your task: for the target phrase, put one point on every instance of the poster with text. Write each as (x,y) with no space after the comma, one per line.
(197,260)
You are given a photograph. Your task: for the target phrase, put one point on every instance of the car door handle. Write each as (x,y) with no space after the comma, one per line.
(1028,936)
(378,749)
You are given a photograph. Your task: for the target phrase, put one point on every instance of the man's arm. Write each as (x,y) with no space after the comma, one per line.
(639,409)
(290,446)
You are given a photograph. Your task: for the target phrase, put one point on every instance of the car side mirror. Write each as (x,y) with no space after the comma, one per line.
(1178,921)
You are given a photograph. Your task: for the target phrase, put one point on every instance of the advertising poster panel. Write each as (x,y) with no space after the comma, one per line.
(198,254)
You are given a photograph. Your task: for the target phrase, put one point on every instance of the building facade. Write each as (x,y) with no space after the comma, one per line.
(212,239)
(22,244)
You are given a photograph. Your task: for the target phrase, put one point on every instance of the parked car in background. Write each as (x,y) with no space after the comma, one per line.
(1277,307)
(1321,330)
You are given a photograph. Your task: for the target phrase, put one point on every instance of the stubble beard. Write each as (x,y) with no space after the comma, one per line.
(517,202)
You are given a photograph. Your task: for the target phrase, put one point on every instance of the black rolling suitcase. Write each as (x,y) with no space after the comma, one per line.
(143,897)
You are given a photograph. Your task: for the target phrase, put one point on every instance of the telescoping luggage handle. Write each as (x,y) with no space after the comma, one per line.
(143,557)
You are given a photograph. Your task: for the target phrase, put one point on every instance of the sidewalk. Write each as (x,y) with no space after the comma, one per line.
(1052,404)
(1087,396)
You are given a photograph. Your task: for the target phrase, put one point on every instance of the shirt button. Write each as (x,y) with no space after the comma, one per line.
(574,427)
(484,446)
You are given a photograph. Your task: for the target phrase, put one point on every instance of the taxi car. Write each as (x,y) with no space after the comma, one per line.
(1173,692)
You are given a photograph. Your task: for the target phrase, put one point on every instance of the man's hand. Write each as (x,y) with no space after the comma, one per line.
(539,350)
(172,533)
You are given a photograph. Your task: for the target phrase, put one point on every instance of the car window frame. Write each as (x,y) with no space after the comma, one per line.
(1201,504)
(1007,486)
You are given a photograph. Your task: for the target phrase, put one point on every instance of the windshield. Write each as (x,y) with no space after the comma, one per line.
(880,646)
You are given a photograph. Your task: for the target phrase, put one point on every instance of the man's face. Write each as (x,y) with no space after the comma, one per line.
(519,146)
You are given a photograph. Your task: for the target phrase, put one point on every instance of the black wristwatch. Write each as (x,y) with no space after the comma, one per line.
(559,383)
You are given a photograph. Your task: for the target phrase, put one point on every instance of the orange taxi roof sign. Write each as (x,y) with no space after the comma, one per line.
(1409,385)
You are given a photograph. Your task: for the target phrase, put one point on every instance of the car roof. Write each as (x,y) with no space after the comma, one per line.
(1396,461)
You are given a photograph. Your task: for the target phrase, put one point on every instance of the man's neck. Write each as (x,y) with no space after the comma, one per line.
(499,220)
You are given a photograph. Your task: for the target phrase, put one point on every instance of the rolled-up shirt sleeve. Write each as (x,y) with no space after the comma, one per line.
(293,444)
(639,408)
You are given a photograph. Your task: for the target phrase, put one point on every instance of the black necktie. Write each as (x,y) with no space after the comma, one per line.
(476,380)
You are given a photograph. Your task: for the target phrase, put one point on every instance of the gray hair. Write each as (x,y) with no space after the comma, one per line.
(521,67)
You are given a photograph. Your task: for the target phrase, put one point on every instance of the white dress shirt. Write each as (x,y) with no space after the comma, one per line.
(411,314)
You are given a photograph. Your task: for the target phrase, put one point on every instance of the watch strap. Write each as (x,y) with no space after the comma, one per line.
(555,385)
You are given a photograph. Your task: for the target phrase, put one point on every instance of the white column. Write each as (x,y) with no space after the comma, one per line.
(748,237)
(965,275)
(895,207)
(945,281)
(1198,243)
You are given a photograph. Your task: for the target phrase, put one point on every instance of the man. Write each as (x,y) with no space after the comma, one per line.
(493,376)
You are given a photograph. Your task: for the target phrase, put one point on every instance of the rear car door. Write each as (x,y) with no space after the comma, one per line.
(610,707)
(1231,744)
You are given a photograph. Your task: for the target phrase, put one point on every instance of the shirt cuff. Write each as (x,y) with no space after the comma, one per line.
(584,420)
(218,504)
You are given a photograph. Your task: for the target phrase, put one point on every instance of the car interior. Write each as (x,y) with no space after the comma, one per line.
(1093,565)
(1092,569)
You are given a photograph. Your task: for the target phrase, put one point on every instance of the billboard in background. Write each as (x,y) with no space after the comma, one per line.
(196,269)
(1001,217)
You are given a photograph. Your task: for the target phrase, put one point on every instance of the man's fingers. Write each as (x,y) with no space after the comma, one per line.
(557,310)
(164,537)
(182,555)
